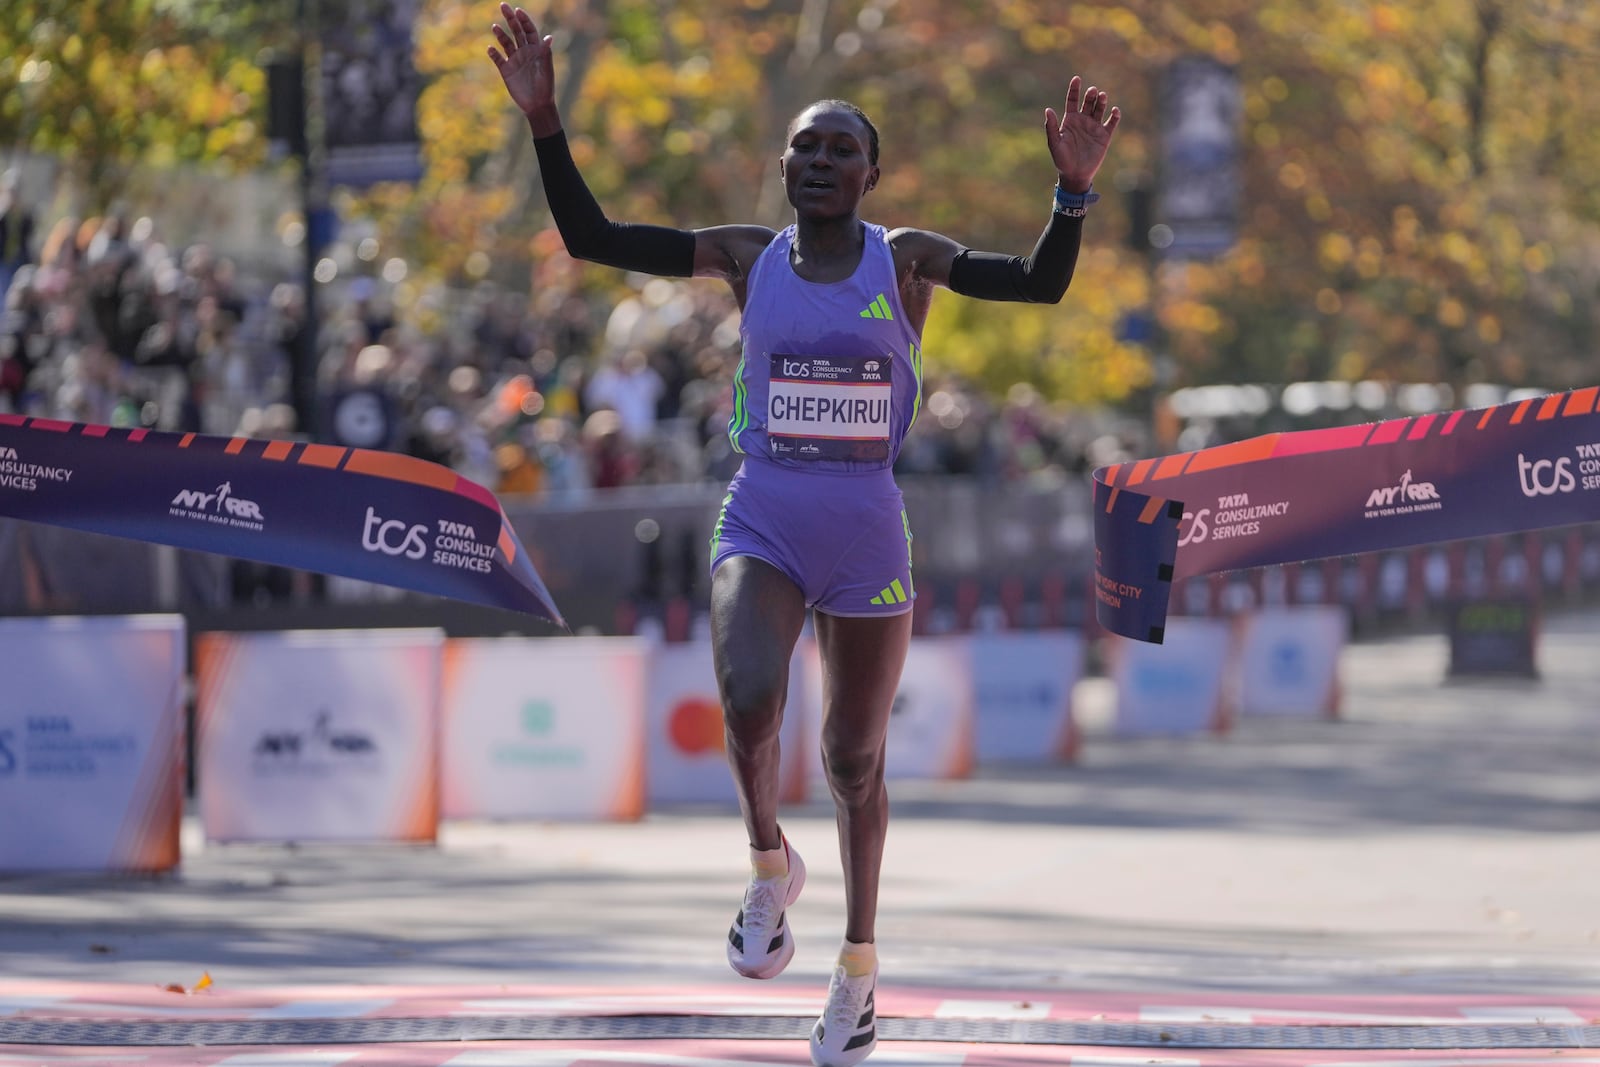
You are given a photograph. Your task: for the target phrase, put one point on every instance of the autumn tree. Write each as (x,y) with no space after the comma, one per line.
(1420,198)
(109,85)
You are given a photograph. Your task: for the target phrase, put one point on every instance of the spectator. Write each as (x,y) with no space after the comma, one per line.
(630,387)
(16,229)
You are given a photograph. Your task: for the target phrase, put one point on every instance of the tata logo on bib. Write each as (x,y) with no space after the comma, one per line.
(393,537)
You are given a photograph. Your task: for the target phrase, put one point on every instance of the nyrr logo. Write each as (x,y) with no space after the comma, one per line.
(1545,477)
(393,537)
(1405,491)
(221,501)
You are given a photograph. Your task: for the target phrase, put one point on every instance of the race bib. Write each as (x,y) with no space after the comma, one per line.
(829,407)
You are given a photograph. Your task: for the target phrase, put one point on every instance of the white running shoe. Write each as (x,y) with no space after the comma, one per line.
(759,942)
(848,1030)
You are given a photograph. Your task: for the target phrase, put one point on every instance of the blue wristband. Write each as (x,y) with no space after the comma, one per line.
(1075,205)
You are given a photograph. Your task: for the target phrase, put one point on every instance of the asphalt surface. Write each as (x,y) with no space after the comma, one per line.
(1442,837)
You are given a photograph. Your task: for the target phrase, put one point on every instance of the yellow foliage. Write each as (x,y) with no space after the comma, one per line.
(1068,352)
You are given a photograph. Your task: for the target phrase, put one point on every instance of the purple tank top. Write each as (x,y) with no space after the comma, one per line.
(830,378)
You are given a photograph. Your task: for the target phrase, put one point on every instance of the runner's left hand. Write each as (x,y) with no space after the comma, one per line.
(1081,134)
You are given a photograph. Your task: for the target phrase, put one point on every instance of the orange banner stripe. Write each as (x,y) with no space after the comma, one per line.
(1172,466)
(188,438)
(277,450)
(322,456)
(1152,508)
(1230,455)
(235,446)
(1581,401)
(402,469)
(1522,409)
(1547,410)
(1140,469)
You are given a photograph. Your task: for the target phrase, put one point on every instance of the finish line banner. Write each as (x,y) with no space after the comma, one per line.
(378,516)
(1285,497)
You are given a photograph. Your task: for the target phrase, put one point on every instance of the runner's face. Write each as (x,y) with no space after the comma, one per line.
(826,168)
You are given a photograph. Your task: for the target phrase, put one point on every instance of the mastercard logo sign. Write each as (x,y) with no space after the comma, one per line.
(694,726)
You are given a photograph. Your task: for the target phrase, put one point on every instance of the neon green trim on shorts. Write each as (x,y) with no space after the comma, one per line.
(716,531)
(905,521)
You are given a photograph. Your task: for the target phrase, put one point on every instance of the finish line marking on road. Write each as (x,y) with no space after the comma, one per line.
(734,1025)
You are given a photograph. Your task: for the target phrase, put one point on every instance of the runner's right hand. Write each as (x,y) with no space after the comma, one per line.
(524,61)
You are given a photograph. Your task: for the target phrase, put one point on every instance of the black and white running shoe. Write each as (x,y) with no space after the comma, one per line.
(848,1030)
(759,943)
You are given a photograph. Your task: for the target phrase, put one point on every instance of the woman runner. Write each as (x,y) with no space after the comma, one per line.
(830,380)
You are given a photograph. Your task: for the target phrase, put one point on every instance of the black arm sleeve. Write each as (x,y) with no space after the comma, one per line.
(1042,278)
(588,234)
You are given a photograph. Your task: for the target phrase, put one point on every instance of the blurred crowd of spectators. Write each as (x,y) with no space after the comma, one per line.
(562,392)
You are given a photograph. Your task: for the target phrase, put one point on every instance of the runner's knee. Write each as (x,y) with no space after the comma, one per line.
(752,706)
(854,769)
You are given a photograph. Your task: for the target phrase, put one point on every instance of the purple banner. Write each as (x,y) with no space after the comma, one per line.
(1284,497)
(378,516)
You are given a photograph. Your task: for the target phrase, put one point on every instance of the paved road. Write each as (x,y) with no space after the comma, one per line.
(1442,838)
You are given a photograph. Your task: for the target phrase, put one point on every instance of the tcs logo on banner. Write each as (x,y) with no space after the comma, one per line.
(393,537)
(1545,477)
(1194,527)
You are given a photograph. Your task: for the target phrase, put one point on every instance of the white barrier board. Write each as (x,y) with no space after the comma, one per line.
(318,735)
(1288,661)
(91,743)
(686,759)
(931,725)
(1174,687)
(1024,686)
(544,728)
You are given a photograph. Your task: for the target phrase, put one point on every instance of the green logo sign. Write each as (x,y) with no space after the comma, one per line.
(538,718)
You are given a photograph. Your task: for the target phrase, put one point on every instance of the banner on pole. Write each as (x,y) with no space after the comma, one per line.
(379,516)
(1527,465)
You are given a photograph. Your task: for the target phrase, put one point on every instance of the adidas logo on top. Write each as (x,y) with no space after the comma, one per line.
(878,309)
